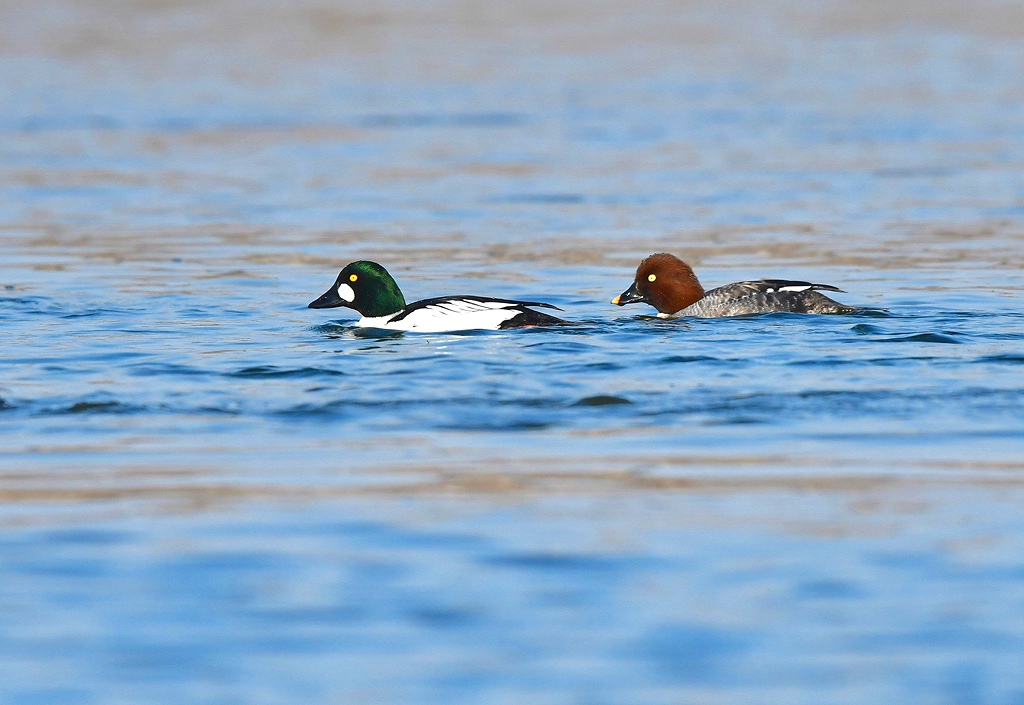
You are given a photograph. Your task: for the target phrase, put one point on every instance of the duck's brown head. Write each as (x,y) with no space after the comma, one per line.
(665,282)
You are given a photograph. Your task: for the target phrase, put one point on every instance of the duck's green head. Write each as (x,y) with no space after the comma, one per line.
(365,286)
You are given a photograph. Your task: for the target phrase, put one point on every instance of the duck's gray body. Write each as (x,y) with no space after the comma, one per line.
(764,296)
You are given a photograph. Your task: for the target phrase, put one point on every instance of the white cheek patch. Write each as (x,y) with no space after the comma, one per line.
(346,293)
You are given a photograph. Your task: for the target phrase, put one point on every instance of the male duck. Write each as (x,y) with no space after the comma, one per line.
(668,284)
(372,292)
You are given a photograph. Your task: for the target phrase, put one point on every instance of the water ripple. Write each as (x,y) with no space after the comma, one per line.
(271,372)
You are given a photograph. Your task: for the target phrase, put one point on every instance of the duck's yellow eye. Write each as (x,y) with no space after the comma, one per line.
(353,277)
(651,277)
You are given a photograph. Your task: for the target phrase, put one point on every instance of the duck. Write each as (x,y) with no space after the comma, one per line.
(668,284)
(372,292)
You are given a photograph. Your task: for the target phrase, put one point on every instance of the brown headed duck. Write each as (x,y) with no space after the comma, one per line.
(668,284)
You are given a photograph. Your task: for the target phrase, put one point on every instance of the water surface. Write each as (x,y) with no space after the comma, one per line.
(213,494)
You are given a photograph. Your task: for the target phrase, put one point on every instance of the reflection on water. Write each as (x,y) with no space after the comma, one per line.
(209,493)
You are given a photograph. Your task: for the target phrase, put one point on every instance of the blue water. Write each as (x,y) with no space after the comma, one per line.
(209,493)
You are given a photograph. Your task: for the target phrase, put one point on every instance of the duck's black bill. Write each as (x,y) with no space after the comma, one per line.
(330,299)
(631,295)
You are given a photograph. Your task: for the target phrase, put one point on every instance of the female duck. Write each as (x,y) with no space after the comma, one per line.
(668,284)
(372,292)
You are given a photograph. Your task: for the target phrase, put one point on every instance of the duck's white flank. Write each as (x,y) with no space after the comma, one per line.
(454,314)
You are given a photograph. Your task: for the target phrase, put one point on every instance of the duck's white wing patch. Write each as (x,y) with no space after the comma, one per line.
(462,306)
(448,315)
(777,286)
